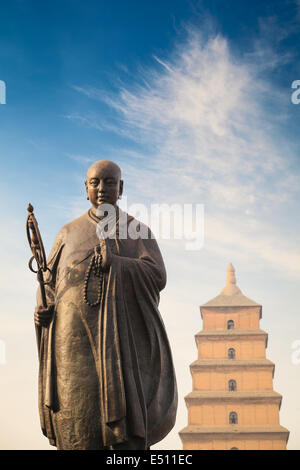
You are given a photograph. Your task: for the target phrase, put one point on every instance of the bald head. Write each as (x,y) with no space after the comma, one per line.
(104,166)
(103,183)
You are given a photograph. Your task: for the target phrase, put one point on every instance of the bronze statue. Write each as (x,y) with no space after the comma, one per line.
(106,376)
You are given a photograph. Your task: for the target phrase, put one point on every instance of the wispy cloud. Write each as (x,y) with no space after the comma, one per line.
(207,119)
(82,158)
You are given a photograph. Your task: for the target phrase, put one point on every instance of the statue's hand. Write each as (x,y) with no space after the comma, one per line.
(106,254)
(43,316)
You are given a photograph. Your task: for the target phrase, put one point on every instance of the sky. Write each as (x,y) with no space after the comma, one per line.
(193,100)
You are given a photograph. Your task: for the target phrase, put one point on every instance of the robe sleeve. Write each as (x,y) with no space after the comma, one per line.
(44,342)
(136,277)
(146,259)
(52,263)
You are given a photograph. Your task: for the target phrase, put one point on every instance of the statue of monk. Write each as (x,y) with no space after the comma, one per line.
(106,375)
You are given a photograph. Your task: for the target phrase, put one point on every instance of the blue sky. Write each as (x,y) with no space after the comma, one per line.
(48,48)
(193,100)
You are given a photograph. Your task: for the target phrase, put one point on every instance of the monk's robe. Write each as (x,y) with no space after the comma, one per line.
(106,372)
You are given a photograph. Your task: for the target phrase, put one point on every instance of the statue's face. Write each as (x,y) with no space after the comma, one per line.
(103,185)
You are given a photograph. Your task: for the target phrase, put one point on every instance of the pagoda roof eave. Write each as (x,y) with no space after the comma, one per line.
(238,300)
(234,429)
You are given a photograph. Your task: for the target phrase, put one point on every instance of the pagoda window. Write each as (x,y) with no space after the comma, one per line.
(231,353)
(230,325)
(233,418)
(232,385)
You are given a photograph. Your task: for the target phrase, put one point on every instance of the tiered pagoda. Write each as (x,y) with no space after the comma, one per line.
(233,405)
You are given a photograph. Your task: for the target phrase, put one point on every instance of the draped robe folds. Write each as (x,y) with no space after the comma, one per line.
(106,372)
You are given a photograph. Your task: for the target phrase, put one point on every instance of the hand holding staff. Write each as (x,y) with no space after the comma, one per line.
(42,315)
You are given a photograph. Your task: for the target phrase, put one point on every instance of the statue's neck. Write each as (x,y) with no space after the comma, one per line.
(96,214)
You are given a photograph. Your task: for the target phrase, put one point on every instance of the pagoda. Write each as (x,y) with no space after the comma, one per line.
(233,405)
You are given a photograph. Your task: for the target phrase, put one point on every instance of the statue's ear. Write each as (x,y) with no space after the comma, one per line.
(86,188)
(121,188)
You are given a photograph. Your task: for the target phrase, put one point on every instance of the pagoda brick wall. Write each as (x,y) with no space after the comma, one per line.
(211,401)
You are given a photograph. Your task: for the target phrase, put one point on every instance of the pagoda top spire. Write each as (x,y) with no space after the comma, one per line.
(231,288)
(231,295)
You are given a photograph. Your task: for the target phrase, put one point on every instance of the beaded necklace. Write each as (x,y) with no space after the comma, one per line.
(95,266)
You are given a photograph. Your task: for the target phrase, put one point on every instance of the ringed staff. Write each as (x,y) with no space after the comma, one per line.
(38,254)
